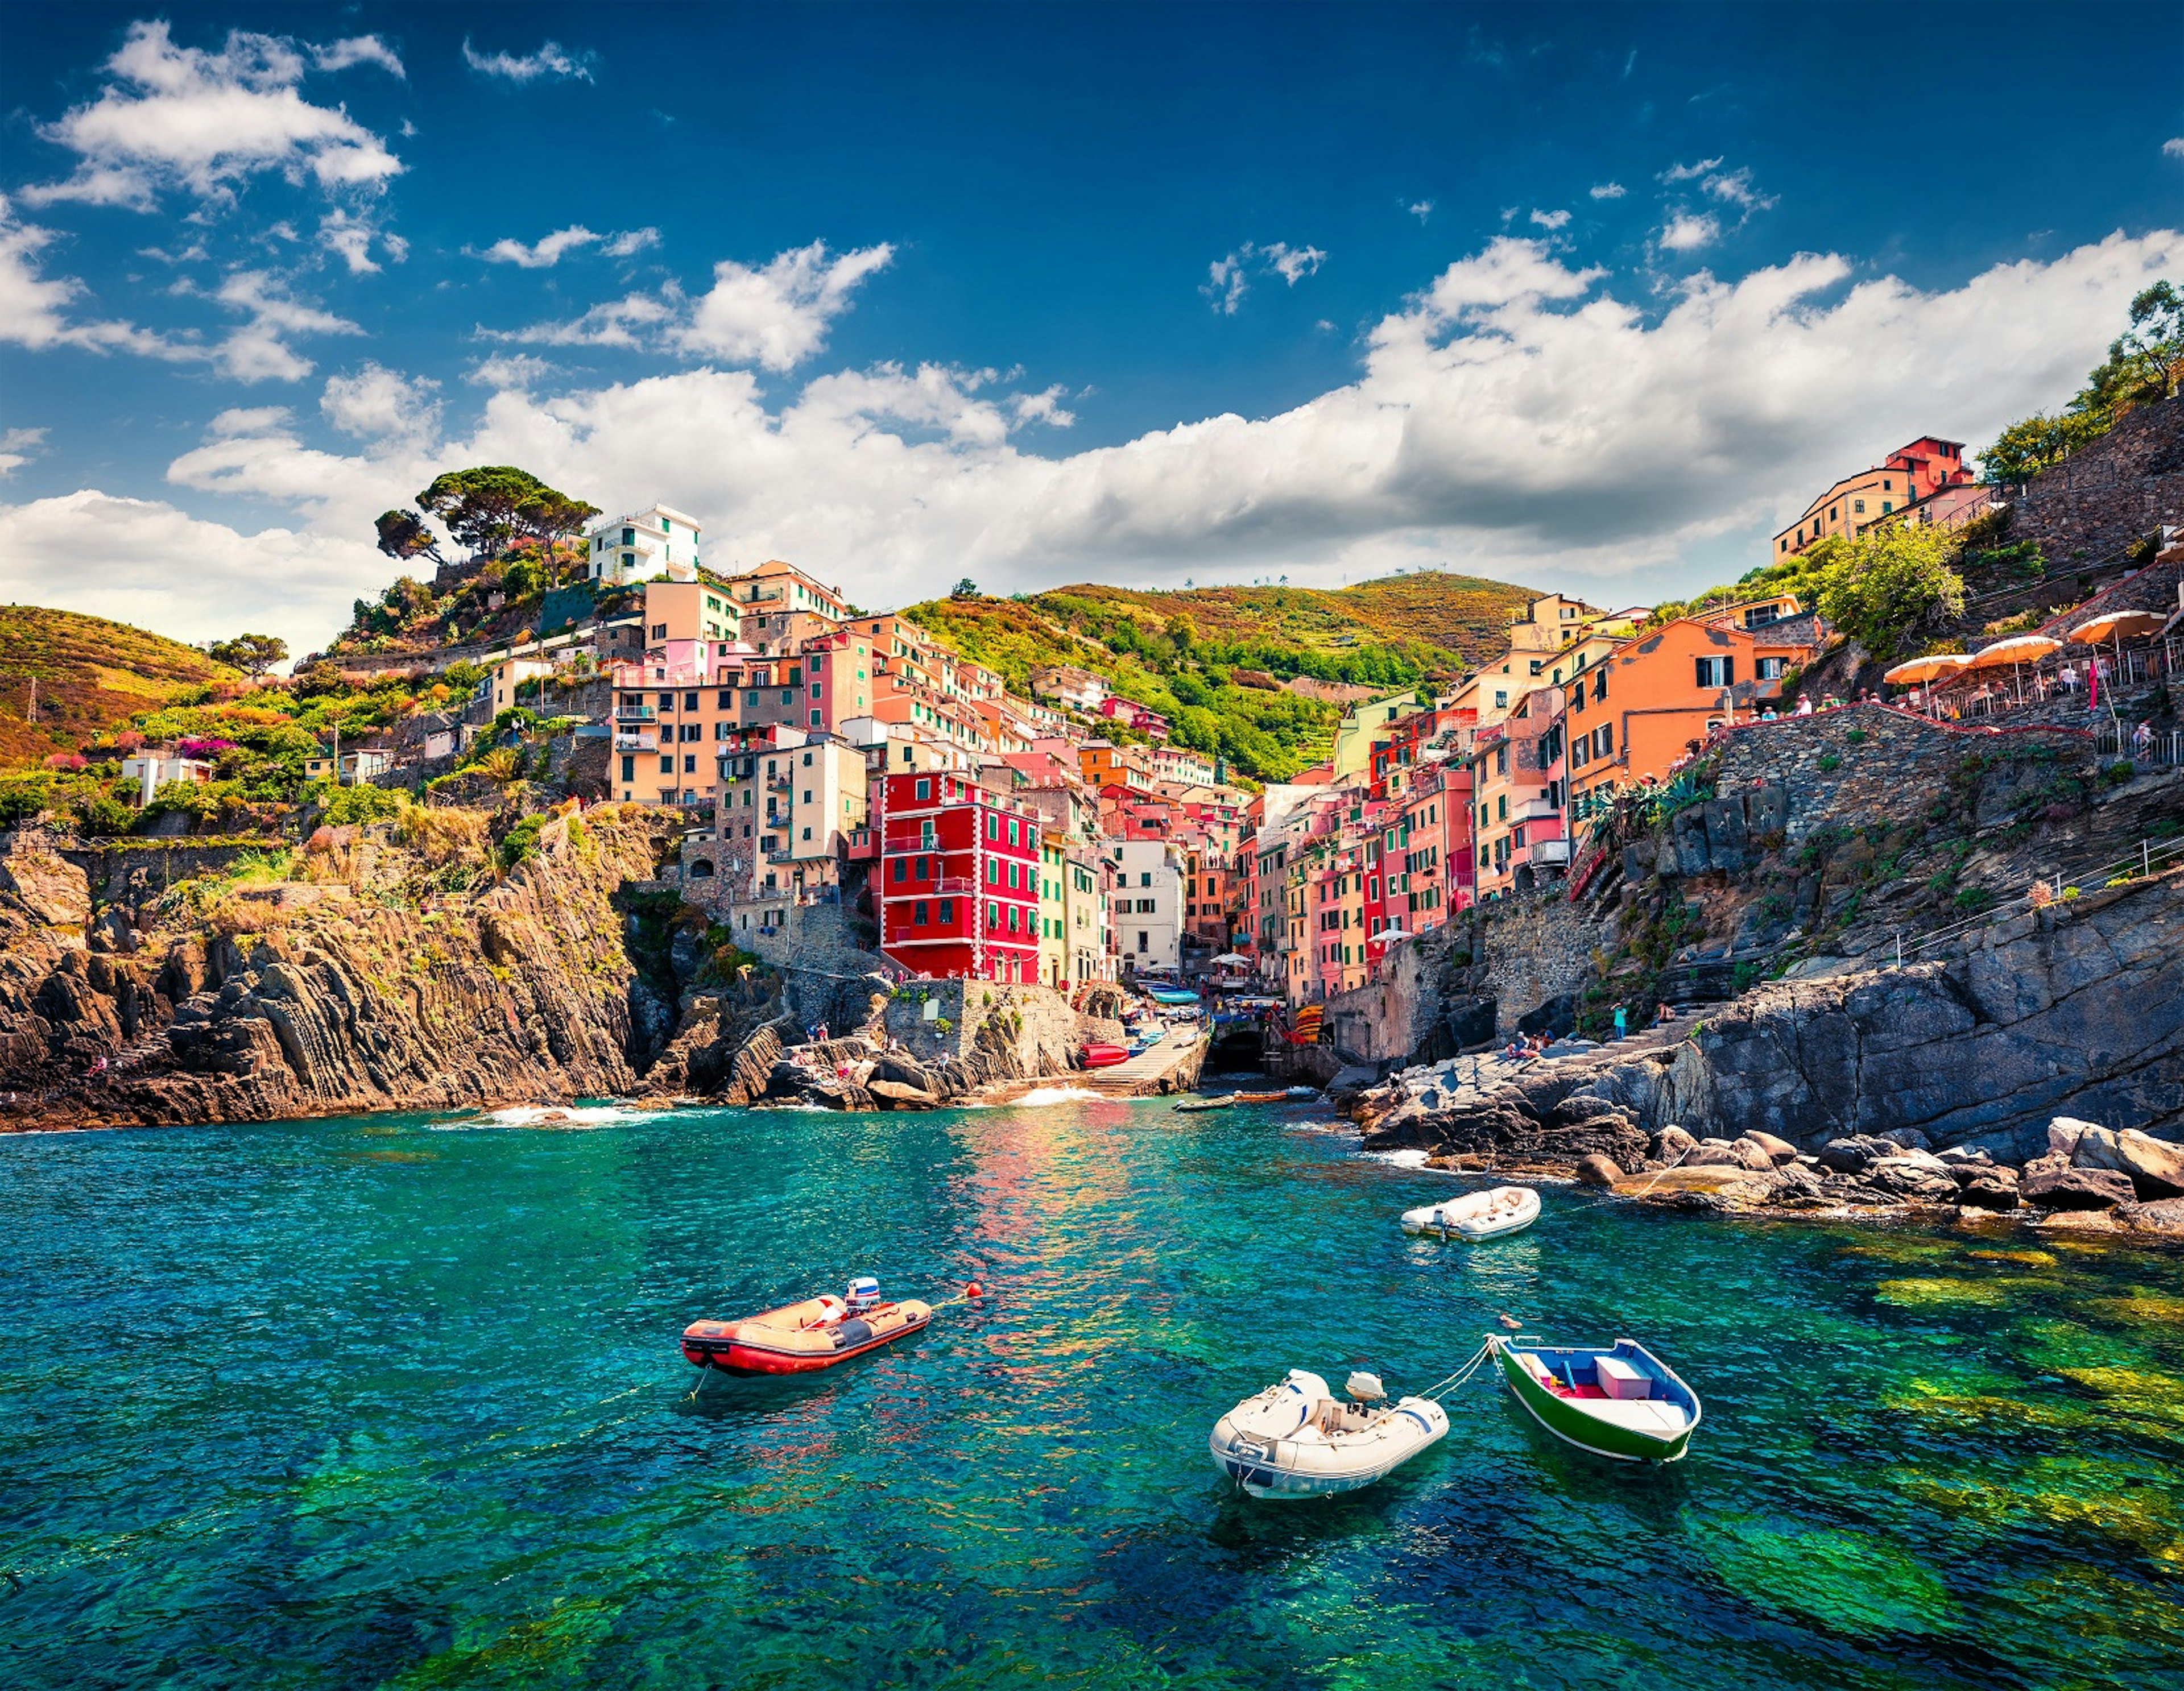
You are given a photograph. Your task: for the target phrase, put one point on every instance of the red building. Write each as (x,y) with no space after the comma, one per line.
(958,879)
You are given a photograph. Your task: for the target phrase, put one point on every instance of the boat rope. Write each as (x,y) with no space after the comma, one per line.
(1462,1375)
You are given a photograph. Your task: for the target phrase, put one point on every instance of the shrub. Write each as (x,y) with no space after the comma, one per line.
(349,805)
(1829,762)
(522,844)
(1974,900)
(1855,737)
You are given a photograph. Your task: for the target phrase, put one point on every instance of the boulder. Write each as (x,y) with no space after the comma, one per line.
(1914,1179)
(2064,1133)
(1598,1171)
(1781,1150)
(1851,1155)
(2155,1166)
(1715,1154)
(1671,1145)
(1989,1192)
(899,1069)
(899,1095)
(2165,1216)
(1910,1138)
(1965,1156)
(1752,1154)
(2076,1188)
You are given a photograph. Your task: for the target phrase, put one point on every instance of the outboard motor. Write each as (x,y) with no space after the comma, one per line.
(1365,1388)
(864,1294)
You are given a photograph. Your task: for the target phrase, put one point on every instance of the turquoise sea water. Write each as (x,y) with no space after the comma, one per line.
(382,1402)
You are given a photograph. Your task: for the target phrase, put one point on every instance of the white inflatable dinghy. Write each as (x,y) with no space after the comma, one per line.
(1476,1215)
(1295,1440)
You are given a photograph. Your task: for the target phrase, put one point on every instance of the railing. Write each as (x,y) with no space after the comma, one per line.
(635,713)
(2148,858)
(637,743)
(956,883)
(2120,740)
(2059,675)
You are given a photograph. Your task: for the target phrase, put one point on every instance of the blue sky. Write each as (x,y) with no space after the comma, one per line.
(1581,298)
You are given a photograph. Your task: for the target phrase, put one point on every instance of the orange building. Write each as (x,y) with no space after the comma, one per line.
(1909,474)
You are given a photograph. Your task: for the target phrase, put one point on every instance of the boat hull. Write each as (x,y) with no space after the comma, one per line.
(1566,1419)
(788,1341)
(1290,1470)
(1477,1215)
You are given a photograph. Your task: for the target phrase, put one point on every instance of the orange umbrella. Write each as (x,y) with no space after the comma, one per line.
(1932,668)
(2018,650)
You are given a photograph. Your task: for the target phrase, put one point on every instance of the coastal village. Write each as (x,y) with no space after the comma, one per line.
(816,854)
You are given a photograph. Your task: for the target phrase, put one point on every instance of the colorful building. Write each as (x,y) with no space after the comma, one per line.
(958,893)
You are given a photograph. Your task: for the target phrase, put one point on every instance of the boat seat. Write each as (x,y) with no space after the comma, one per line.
(1648,1415)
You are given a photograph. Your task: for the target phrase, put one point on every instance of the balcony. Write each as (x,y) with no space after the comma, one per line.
(635,713)
(1534,810)
(780,783)
(956,883)
(637,743)
(756,596)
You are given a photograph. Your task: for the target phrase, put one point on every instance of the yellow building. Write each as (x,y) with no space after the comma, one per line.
(1365,725)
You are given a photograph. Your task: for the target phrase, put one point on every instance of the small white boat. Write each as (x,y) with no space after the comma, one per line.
(1294,1439)
(1476,1215)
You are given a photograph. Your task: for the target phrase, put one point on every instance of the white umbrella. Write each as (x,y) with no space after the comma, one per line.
(1228,957)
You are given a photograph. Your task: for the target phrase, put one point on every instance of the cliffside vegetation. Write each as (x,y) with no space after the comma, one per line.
(1181,652)
(92,677)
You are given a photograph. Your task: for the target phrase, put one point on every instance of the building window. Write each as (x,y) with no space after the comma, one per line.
(1716,671)
(1858,508)
(924,788)
(690,763)
(629,769)
(919,917)
(667,765)
(947,912)
(902,869)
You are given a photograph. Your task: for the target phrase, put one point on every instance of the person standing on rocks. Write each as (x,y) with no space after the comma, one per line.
(1621,1019)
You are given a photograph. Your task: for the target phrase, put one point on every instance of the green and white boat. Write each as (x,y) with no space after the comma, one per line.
(1619,1401)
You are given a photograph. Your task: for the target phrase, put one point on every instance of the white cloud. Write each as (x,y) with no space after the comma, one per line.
(1686,232)
(358,50)
(33,308)
(157,567)
(2174,148)
(258,351)
(1551,219)
(380,404)
(631,241)
(1226,286)
(1045,407)
(542,253)
(1228,278)
(250,419)
(510,369)
(776,315)
(349,238)
(1608,191)
(15,449)
(624,322)
(1292,264)
(181,116)
(1422,209)
(1688,172)
(1514,418)
(1735,187)
(552,61)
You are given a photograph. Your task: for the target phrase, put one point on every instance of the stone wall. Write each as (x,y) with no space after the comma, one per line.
(1887,763)
(1393,1017)
(1020,1030)
(1528,952)
(2099,500)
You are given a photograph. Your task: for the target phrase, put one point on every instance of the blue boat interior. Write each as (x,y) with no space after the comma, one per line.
(1577,1367)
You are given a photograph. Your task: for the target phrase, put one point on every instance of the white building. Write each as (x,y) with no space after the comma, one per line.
(1181,764)
(1077,690)
(1146,906)
(656,540)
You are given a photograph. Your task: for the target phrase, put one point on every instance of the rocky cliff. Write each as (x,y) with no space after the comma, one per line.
(370,972)
(2074,1010)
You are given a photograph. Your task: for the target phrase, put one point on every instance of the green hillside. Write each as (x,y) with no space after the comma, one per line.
(1178,651)
(92,676)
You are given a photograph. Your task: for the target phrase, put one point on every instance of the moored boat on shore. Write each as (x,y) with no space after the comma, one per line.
(1619,1401)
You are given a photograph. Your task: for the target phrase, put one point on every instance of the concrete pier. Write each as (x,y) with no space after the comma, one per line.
(1171,1066)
